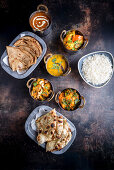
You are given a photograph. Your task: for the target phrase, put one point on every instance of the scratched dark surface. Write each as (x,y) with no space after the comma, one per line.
(94,145)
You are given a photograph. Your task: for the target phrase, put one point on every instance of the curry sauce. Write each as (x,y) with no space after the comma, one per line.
(39,21)
(57,65)
(69,99)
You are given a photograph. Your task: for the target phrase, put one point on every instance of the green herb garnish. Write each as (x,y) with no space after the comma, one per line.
(67,32)
(69,41)
(53,60)
(44,92)
(75,42)
(55,66)
(71,90)
(76,101)
(75,94)
(73,48)
(35,84)
(46,87)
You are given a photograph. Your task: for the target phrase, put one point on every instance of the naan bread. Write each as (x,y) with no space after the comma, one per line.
(58,144)
(46,126)
(54,130)
(59,125)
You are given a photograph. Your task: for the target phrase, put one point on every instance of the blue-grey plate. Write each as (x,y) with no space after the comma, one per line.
(80,63)
(33,134)
(30,70)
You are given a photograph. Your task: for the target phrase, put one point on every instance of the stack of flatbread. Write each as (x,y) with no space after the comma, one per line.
(54,130)
(24,54)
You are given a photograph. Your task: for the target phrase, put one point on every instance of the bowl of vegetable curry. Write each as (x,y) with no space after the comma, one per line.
(73,40)
(69,99)
(40,89)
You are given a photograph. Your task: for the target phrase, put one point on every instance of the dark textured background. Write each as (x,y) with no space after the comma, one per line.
(94,145)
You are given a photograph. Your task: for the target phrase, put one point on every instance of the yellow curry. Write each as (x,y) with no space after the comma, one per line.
(57,65)
(41,89)
(69,99)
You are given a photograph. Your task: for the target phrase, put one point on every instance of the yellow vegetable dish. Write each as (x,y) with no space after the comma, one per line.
(73,41)
(57,65)
(41,89)
(69,99)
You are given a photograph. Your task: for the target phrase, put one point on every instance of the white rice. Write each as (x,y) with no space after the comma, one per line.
(97,69)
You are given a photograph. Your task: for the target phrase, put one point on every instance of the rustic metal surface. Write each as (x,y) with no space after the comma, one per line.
(94,145)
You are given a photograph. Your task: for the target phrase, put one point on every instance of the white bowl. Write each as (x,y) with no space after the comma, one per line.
(80,62)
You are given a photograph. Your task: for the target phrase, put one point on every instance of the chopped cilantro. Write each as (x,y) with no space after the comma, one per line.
(75,94)
(73,48)
(53,60)
(46,87)
(69,41)
(76,101)
(35,84)
(75,42)
(44,92)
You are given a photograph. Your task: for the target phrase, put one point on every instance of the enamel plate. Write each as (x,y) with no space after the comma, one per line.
(32,133)
(4,57)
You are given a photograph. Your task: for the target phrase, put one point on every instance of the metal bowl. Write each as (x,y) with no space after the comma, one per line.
(68,67)
(80,62)
(78,105)
(42,8)
(62,36)
(30,85)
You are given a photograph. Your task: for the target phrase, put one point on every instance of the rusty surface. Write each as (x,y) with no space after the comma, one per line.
(94,144)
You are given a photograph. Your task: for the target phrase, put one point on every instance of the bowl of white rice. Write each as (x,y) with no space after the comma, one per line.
(96,68)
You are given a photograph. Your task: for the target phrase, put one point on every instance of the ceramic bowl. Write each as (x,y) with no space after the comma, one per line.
(80,63)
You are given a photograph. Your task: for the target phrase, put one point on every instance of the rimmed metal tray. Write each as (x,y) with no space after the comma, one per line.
(33,134)
(29,71)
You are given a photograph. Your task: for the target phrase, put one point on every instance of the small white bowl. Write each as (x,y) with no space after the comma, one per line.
(80,62)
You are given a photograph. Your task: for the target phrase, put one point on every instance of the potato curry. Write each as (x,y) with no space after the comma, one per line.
(73,41)
(68,99)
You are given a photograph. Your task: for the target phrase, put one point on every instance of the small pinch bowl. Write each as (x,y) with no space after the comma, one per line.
(80,63)
(68,70)
(62,36)
(29,84)
(78,105)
